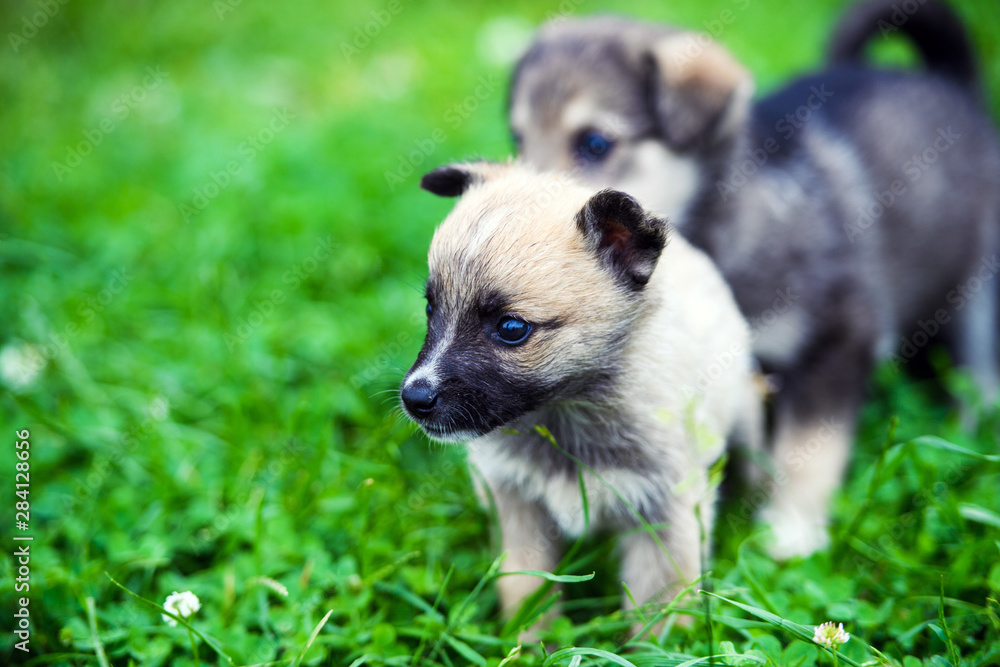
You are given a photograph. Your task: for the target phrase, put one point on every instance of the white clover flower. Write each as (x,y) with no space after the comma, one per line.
(830,635)
(20,366)
(182,604)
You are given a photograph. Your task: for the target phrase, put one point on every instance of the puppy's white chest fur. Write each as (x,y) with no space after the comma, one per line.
(617,493)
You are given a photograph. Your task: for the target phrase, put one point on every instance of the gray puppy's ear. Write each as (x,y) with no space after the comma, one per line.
(699,91)
(626,240)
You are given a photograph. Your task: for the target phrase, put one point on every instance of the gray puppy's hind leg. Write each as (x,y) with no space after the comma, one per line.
(810,457)
(976,335)
(815,419)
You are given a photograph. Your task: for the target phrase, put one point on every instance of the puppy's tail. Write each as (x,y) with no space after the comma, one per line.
(931,25)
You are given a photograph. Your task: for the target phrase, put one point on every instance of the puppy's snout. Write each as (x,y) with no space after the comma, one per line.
(419,398)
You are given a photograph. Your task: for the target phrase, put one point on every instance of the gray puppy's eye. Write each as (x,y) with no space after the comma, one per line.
(592,146)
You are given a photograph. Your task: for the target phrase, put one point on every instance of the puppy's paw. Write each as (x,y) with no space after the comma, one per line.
(794,534)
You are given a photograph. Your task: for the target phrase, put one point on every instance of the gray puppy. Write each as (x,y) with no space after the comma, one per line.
(855,212)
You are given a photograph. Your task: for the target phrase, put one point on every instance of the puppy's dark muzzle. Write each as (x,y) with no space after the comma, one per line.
(419,398)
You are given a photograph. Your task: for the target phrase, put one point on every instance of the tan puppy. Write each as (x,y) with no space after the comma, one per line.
(551,306)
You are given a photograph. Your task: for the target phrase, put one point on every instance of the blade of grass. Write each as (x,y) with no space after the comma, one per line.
(548,576)
(511,656)
(635,605)
(437,600)
(564,653)
(465,650)
(312,638)
(92,621)
(663,612)
(940,443)
(803,632)
(410,598)
(210,642)
(873,483)
(979,514)
(531,609)
(953,653)
(581,466)
(490,573)
(758,590)
(711,659)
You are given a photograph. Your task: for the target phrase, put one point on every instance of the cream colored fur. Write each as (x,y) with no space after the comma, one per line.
(685,379)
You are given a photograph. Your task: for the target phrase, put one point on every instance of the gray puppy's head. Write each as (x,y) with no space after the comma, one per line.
(626,104)
(535,283)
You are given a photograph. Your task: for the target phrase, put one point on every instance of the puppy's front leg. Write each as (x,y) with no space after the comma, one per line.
(531,539)
(655,573)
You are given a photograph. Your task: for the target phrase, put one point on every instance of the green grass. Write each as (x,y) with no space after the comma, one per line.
(216,414)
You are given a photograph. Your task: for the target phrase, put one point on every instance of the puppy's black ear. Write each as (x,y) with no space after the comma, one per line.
(449,181)
(627,240)
(697,90)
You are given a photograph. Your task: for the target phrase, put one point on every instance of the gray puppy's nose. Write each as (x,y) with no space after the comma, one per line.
(419,398)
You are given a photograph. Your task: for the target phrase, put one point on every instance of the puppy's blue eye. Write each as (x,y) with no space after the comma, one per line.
(592,146)
(512,330)
(430,310)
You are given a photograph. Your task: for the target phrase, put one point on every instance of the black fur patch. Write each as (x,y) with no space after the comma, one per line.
(447,181)
(936,31)
(625,238)
(481,386)
(599,449)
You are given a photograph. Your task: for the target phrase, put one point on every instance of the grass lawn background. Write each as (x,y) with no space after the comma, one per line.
(212,235)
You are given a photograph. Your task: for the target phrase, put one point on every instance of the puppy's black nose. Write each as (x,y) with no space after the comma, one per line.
(419,398)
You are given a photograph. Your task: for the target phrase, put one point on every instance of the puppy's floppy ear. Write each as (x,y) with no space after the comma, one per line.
(626,240)
(699,92)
